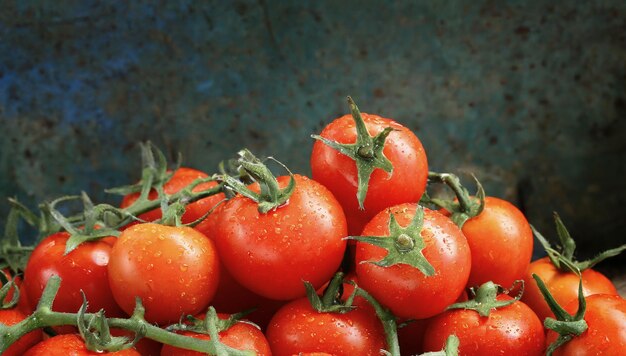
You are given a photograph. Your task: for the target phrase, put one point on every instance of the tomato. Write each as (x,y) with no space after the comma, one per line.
(404,289)
(338,172)
(23,304)
(13,316)
(501,243)
(297,327)
(606,328)
(411,337)
(510,330)
(241,336)
(174,270)
(181,178)
(562,285)
(70,345)
(83,269)
(272,253)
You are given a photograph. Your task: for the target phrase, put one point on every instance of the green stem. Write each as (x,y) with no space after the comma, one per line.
(387,319)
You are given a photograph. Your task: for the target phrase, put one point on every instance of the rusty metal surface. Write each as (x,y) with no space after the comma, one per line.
(529,96)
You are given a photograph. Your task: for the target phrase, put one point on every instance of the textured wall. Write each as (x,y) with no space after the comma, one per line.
(529,96)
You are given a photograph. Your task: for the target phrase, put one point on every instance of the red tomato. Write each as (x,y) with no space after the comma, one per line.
(70,345)
(240,336)
(562,285)
(271,254)
(83,269)
(606,332)
(510,330)
(404,289)
(501,243)
(23,304)
(10,317)
(297,327)
(411,337)
(181,178)
(174,270)
(338,172)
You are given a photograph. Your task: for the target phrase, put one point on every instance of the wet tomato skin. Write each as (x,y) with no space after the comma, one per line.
(174,270)
(562,285)
(606,333)
(399,286)
(511,330)
(83,269)
(71,345)
(272,253)
(339,174)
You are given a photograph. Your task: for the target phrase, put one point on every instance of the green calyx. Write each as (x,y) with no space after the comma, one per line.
(450,349)
(485,299)
(404,245)
(466,207)
(562,257)
(330,302)
(367,152)
(566,325)
(271,195)
(6,286)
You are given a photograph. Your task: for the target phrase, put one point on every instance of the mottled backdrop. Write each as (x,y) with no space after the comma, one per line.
(527,95)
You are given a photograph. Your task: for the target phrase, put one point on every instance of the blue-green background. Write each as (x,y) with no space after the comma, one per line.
(527,95)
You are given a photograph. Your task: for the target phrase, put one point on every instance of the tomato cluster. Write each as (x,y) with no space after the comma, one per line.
(418,269)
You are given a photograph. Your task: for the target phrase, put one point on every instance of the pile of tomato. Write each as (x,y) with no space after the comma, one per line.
(413,269)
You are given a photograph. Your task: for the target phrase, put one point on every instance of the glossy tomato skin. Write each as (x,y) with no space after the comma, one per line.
(181,178)
(297,327)
(71,345)
(606,333)
(562,285)
(174,270)
(339,174)
(512,330)
(406,291)
(241,336)
(83,269)
(272,253)
(501,243)
(13,316)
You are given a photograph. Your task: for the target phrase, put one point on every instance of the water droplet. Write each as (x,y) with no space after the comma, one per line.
(184,267)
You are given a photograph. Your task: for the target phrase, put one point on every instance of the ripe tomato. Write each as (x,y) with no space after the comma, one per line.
(501,243)
(70,345)
(181,178)
(404,289)
(338,172)
(297,327)
(509,330)
(83,269)
(10,317)
(271,254)
(241,336)
(606,332)
(174,270)
(562,285)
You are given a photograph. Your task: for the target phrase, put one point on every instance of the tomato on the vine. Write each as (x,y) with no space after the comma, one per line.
(83,269)
(10,317)
(562,285)
(173,270)
(272,253)
(406,290)
(338,172)
(71,344)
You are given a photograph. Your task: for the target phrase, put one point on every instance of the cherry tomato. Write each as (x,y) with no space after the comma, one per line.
(510,330)
(10,317)
(562,285)
(241,336)
(271,254)
(501,243)
(70,345)
(338,172)
(83,269)
(606,328)
(174,270)
(297,327)
(404,289)
(181,178)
